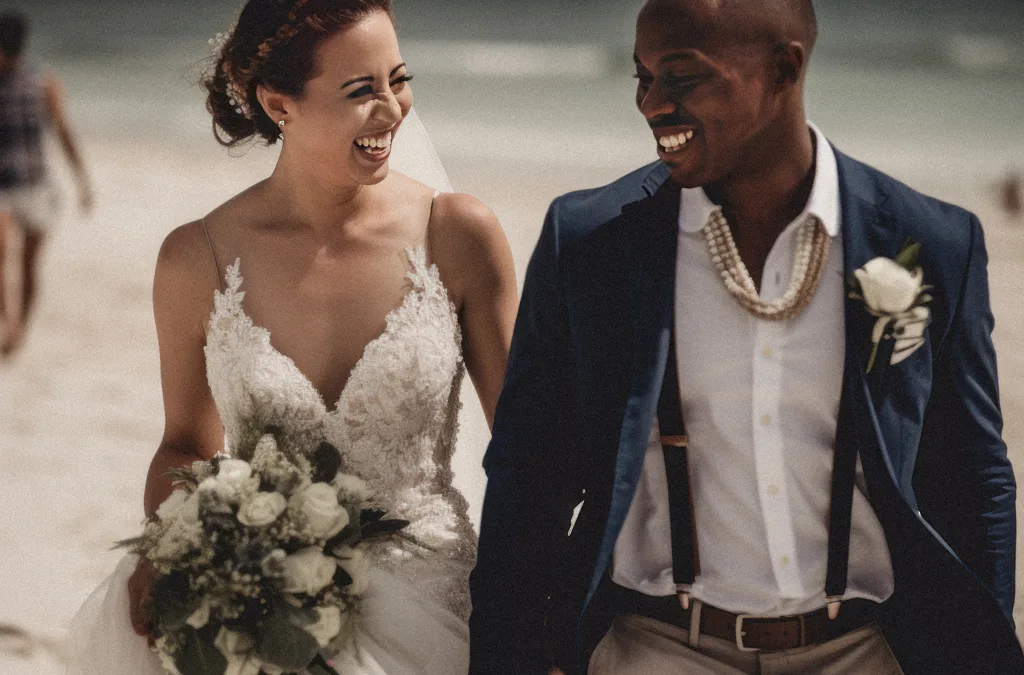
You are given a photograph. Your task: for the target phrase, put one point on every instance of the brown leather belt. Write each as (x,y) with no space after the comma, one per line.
(753,633)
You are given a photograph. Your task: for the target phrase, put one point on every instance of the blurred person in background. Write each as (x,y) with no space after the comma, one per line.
(31,102)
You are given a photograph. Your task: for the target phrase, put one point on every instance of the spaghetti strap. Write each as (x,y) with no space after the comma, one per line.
(216,265)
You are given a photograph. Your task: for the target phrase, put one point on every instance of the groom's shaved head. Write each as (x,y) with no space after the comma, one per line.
(740,21)
(727,75)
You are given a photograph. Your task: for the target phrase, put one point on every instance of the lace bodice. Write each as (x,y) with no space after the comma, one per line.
(395,422)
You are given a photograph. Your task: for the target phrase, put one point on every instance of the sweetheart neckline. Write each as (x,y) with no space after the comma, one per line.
(419,251)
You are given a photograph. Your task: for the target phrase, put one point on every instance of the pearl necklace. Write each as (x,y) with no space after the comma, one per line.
(812,246)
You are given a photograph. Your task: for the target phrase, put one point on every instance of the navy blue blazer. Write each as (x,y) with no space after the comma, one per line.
(573,422)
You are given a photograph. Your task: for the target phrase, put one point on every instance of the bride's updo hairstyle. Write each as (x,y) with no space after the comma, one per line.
(274,44)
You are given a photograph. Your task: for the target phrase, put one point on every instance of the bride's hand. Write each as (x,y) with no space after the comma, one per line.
(139,586)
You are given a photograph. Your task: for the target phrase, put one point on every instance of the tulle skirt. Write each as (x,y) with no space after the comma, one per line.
(401,633)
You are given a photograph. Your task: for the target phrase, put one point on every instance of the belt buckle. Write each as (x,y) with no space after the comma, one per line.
(739,632)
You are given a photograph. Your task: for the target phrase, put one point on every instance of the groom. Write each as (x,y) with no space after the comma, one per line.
(774,471)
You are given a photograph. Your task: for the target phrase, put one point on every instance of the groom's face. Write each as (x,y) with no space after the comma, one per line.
(703,85)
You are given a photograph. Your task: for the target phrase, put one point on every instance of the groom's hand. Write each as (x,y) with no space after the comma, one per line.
(139,585)
(555,671)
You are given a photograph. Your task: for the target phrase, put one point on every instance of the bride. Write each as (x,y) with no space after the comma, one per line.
(344,298)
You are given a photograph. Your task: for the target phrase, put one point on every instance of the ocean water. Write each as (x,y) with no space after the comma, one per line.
(932,92)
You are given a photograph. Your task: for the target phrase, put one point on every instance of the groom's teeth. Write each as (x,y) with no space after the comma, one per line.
(674,142)
(381,142)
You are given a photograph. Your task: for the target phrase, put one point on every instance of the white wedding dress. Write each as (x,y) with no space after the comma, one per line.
(395,425)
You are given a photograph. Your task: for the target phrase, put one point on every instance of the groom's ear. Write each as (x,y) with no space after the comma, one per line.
(274,104)
(788,63)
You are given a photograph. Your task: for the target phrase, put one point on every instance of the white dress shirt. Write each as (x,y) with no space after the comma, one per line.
(761,404)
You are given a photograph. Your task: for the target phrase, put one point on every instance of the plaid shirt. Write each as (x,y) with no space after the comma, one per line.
(23,119)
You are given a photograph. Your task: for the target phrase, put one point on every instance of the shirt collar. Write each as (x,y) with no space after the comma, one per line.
(696,207)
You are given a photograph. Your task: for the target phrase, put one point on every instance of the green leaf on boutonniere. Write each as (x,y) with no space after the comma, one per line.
(907,259)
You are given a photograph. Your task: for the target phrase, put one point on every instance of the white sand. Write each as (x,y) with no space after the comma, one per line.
(80,407)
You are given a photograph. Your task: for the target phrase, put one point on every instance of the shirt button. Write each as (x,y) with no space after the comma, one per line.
(766,419)
(767,352)
(773,489)
(785,560)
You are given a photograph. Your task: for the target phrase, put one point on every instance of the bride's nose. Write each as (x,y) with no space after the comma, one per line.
(388,108)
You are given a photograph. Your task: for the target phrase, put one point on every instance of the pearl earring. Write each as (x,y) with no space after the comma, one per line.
(281,124)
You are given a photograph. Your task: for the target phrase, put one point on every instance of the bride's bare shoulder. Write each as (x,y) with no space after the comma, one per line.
(469,245)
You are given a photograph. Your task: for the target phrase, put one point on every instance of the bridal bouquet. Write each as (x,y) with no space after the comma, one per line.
(261,563)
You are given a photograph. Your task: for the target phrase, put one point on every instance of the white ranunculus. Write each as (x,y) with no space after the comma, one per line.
(201,616)
(308,571)
(233,471)
(888,287)
(327,625)
(355,562)
(262,509)
(351,486)
(172,505)
(319,504)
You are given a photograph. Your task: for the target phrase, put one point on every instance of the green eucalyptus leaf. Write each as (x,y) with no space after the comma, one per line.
(284,644)
(199,657)
(173,602)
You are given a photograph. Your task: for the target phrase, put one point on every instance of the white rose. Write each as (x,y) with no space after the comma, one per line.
(351,486)
(262,509)
(319,504)
(355,562)
(220,495)
(233,471)
(327,625)
(172,505)
(888,287)
(308,571)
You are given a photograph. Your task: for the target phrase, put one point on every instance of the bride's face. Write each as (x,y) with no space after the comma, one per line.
(351,109)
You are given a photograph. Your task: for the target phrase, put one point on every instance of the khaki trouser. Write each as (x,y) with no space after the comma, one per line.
(637,645)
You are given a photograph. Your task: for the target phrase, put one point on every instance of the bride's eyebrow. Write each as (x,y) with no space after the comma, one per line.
(370,78)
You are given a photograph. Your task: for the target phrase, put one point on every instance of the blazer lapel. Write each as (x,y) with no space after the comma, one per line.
(653,256)
(866,235)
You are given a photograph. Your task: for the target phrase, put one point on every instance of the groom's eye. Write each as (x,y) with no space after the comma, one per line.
(644,79)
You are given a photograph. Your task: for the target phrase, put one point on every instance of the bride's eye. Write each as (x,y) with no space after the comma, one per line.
(362,91)
(401,80)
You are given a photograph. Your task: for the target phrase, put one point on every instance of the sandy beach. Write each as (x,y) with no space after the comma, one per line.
(80,405)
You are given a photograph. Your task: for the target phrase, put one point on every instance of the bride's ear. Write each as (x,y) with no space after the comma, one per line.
(274,104)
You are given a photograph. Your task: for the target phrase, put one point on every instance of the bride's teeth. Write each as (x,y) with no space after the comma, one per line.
(375,142)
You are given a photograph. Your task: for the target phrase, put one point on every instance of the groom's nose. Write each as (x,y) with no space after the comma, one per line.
(654,104)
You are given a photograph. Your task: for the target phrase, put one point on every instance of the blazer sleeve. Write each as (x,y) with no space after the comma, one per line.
(967,486)
(533,480)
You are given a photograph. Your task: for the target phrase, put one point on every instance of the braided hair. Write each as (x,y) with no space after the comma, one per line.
(275,44)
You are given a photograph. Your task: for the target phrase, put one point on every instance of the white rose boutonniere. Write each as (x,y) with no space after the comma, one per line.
(894,292)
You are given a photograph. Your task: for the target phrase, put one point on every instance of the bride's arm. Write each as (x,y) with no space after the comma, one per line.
(475,261)
(182,300)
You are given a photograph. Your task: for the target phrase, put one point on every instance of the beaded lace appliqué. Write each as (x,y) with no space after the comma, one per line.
(395,422)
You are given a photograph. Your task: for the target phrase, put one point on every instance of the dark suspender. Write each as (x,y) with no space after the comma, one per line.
(685,550)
